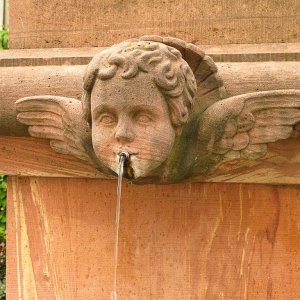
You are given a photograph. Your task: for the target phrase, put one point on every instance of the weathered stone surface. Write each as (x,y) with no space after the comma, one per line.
(40,24)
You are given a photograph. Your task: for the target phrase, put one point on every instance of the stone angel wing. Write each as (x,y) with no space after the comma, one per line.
(243,125)
(59,119)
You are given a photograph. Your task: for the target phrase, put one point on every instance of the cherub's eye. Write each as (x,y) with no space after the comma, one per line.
(143,118)
(107,119)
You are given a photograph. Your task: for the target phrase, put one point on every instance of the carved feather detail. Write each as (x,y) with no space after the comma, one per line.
(242,126)
(58,119)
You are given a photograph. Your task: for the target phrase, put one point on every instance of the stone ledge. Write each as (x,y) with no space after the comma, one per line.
(239,78)
(26,156)
(220,53)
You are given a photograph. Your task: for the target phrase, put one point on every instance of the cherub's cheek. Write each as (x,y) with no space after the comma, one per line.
(101,133)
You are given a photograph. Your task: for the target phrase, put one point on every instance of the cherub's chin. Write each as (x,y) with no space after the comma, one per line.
(141,168)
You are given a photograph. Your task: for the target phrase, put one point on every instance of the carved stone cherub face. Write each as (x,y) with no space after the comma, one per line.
(131,115)
(137,98)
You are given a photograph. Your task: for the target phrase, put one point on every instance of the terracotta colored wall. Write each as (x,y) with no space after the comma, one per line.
(192,241)
(79,23)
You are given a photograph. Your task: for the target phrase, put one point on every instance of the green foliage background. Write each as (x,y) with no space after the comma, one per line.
(3,38)
(3,45)
(2,236)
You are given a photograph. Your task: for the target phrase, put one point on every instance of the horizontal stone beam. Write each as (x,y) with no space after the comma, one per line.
(18,82)
(33,157)
(219,53)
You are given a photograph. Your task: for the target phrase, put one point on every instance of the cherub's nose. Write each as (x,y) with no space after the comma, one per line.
(124,132)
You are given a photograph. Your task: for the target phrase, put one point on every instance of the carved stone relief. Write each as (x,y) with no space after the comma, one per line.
(162,101)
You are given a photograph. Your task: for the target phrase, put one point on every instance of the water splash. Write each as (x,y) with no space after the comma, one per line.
(123,156)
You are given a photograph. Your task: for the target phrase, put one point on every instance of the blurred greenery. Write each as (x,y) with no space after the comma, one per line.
(2,236)
(4,38)
(2,207)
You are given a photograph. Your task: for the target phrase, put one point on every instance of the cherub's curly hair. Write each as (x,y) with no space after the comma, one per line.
(163,63)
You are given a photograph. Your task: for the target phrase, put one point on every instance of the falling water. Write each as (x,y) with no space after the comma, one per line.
(123,156)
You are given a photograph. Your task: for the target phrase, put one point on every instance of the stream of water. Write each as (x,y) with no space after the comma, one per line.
(122,158)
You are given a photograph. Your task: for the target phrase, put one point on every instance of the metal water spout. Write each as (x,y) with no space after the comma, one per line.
(123,157)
